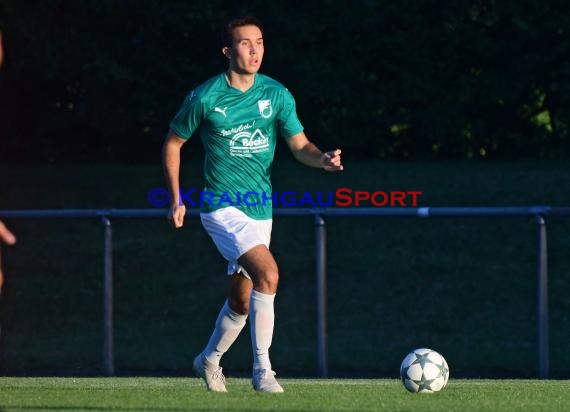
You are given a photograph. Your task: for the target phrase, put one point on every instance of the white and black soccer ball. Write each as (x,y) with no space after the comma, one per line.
(424,371)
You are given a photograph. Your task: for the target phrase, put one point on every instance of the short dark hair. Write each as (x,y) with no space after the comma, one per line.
(227,32)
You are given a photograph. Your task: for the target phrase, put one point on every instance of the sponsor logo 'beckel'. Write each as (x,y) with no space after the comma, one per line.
(255,140)
(246,144)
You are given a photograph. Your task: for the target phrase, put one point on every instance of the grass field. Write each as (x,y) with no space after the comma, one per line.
(188,394)
(464,286)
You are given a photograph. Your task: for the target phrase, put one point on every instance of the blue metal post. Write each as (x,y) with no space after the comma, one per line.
(108,343)
(542,313)
(321,258)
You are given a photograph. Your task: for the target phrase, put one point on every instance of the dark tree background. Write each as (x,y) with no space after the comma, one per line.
(99,80)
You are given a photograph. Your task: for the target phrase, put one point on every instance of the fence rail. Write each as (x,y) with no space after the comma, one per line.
(539,213)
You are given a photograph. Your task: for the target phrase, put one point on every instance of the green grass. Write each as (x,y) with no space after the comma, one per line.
(463,286)
(183,394)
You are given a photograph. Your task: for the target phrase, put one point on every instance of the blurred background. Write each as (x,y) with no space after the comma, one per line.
(100,80)
(466,101)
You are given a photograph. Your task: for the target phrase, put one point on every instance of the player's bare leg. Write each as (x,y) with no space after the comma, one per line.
(240,288)
(262,268)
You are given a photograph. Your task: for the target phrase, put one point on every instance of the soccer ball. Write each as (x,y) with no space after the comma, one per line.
(424,371)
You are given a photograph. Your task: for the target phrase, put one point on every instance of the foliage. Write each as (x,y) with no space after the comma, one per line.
(91,80)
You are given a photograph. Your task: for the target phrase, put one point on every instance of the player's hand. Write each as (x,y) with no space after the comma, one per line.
(5,235)
(331,161)
(176,215)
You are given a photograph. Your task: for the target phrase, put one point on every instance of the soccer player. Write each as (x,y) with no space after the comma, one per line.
(239,115)
(5,235)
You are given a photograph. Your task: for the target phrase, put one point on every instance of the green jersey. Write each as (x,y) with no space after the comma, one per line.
(239,132)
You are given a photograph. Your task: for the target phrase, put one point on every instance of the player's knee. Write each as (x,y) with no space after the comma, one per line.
(267,281)
(273,277)
(239,304)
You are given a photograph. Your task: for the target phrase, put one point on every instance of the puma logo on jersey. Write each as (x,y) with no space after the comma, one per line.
(222,111)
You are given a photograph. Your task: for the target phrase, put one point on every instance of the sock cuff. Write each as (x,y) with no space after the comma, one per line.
(262,297)
(232,314)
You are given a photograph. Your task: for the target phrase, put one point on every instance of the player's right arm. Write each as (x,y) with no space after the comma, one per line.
(171,164)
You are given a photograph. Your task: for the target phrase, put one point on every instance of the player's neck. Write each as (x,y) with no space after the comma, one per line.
(242,82)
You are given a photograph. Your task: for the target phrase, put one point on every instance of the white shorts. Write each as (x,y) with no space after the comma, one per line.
(234,233)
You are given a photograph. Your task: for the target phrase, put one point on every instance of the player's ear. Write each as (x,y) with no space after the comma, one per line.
(227,52)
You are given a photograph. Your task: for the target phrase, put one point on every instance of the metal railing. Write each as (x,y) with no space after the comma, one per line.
(539,213)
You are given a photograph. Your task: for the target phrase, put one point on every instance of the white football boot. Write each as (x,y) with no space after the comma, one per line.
(264,381)
(212,374)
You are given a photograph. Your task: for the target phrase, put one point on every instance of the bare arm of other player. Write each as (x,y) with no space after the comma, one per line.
(5,237)
(171,164)
(308,154)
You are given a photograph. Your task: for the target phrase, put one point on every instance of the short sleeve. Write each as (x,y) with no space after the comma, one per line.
(189,116)
(287,121)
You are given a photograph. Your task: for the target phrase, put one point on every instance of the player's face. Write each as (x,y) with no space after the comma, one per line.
(247,50)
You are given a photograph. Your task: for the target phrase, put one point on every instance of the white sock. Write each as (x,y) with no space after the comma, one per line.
(228,327)
(262,320)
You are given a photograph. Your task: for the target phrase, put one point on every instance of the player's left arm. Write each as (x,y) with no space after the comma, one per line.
(308,154)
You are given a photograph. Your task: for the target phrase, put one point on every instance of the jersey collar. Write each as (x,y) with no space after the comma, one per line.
(257,82)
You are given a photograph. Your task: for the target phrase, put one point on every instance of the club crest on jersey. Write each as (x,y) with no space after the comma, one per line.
(265,108)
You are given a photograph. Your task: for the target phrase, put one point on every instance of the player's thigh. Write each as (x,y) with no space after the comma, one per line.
(260,264)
